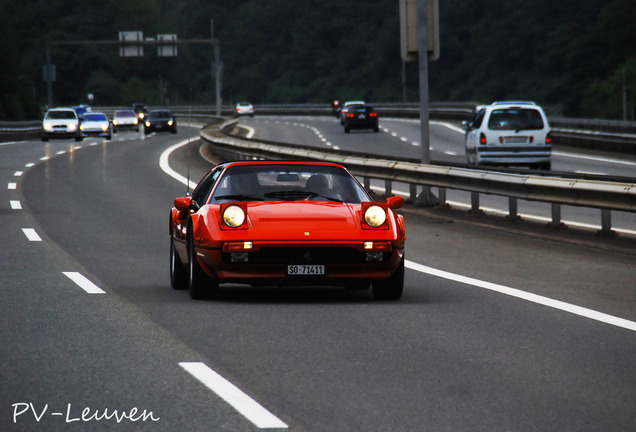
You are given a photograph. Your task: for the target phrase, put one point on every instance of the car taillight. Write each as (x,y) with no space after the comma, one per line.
(548,138)
(373,114)
(350,114)
(482,139)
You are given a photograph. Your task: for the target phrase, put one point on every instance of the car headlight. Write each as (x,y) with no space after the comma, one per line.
(48,127)
(170,122)
(147,124)
(105,127)
(72,127)
(233,216)
(375,216)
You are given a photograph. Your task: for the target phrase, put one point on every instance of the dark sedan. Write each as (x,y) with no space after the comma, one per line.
(361,117)
(160,121)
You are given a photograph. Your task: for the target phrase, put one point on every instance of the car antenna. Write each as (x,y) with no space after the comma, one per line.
(188,146)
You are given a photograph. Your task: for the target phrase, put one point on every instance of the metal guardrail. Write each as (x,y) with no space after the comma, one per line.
(608,135)
(603,195)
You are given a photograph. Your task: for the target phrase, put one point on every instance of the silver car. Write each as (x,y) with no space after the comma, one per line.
(96,124)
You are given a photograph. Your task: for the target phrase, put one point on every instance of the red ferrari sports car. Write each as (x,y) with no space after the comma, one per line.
(285,223)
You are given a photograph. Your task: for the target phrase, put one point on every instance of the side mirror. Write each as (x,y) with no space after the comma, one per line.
(395,202)
(465,125)
(183,203)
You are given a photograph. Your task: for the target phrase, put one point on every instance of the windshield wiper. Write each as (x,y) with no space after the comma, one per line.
(289,195)
(297,195)
(240,197)
(314,194)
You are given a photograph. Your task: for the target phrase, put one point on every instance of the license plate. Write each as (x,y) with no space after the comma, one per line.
(516,140)
(361,116)
(305,270)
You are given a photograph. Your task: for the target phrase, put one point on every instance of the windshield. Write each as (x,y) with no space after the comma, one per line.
(515,119)
(287,182)
(61,115)
(95,117)
(125,114)
(160,114)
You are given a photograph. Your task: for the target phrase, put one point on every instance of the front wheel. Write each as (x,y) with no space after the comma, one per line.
(200,285)
(178,274)
(390,288)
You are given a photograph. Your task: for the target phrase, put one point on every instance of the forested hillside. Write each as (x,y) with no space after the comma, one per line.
(569,55)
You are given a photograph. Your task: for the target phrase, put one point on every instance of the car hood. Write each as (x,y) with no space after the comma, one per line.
(301,216)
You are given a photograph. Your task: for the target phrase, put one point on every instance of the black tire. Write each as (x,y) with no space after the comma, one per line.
(200,286)
(390,288)
(346,129)
(79,138)
(178,274)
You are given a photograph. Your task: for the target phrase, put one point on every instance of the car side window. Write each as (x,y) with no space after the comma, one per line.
(478,119)
(202,191)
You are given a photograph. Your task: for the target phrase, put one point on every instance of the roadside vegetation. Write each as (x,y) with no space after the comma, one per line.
(571,56)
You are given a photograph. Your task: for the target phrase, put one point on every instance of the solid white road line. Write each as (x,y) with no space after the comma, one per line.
(534,298)
(233,396)
(84,283)
(165,166)
(31,234)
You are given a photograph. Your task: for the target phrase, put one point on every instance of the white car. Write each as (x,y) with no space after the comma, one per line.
(244,108)
(509,133)
(126,119)
(96,124)
(61,123)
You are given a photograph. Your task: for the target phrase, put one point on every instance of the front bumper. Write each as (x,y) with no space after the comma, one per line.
(269,264)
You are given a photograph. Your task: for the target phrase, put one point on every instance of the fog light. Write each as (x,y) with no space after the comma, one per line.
(239,257)
(374,256)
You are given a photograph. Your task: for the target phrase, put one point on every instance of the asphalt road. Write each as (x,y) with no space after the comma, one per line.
(496,331)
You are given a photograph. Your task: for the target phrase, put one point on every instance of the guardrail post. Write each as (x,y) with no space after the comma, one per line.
(556,216)
(388,187)
(441,196)
(606,223)
(367,183)
(474,203)
(413,192)
(512,209)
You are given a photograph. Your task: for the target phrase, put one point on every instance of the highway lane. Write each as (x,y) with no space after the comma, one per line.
(449,356)
(401,137)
